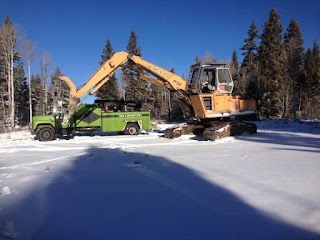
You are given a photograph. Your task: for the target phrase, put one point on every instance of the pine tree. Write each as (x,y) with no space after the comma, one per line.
(136,89)
(311,85)
(271,62)
(38,94)
(234,69)
(292,83)
(110,89)
(316,80)
(157,91)
(21,95)
(250,47)
(248,81)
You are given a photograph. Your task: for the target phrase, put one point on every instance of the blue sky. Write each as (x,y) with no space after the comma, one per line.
(170,33)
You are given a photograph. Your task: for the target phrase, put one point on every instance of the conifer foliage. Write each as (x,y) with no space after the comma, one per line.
(248,82)
(135,88)
(271,66)
(234,69)
(110,89)
(292,82)
(21,95)
(310,96)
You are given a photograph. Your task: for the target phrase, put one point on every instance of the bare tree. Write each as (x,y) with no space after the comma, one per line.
(8,46)
(28,51)
(209,58)
(46,63)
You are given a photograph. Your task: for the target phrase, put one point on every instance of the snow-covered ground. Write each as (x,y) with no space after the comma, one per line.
(261,186)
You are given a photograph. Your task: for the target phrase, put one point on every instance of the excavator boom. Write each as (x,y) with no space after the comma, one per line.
(174,81)
(164,78)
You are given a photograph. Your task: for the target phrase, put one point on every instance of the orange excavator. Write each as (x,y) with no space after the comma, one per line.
(208,92)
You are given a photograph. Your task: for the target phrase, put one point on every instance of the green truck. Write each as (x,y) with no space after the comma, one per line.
(90,117)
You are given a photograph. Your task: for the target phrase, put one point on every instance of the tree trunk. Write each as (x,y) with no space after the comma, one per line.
(12,94)
(30,92)
(9,91)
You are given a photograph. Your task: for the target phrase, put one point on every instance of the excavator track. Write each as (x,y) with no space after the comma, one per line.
(227,129)
(213,130)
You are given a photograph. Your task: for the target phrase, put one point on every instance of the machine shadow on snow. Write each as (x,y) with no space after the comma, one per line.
(117,194)
(289,140)
(289,126)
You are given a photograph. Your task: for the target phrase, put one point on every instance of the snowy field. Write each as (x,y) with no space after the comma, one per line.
(261,186)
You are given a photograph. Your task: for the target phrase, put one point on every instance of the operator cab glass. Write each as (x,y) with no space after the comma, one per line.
(224,80)
(208,78)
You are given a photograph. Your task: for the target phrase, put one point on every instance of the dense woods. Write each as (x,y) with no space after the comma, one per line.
(274,69)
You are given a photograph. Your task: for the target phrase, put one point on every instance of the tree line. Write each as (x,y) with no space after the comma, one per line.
(21,95)
(275,70)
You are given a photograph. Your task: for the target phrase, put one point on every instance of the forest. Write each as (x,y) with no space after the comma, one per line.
(276,70)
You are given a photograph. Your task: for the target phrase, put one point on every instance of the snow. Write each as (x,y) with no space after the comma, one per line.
(260,186)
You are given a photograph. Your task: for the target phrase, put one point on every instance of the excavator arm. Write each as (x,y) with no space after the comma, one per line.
(169,79)
(164,78)
(100,77)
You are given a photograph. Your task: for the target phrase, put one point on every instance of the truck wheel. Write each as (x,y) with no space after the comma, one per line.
(45,134)
(132,129)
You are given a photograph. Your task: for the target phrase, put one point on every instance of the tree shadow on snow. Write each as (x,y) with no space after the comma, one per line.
(114,194)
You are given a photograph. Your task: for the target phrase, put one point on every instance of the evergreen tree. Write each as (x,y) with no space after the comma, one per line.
(168,105)
(158,93)
(179,109)
(136,89)
(248,81)
(311,85)
(292,83)
(38,94)
(234,69)
(271,62)
(316,80)
(110,89)
(250,47)
(21,95)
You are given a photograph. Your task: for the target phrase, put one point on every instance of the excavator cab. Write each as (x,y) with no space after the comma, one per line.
(207,78)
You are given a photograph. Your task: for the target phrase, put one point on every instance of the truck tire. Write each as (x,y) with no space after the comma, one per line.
(132,129)
(45,134)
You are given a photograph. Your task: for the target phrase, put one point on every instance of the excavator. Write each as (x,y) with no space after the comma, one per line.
(208,93)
